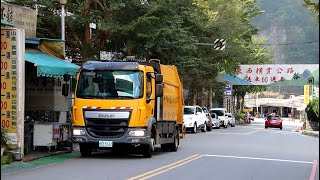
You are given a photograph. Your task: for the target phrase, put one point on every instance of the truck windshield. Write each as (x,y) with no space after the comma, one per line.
(110,84)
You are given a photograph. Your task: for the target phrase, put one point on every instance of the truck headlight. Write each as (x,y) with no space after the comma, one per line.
(78,132)
(137,133)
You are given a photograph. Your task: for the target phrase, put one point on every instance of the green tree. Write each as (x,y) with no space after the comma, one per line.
(168,30)
(312,110)
(313,7)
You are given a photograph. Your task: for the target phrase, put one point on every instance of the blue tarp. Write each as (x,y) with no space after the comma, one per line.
(50,66)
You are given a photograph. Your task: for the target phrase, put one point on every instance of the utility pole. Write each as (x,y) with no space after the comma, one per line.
(63,3)
(257,103)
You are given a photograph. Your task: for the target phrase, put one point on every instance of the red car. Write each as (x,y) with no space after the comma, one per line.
(273,121)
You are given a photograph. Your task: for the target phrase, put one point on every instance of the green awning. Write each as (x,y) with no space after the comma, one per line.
(50,66)
(4,22)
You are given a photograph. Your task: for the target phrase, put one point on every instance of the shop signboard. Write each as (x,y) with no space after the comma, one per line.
(273,75)
(12,85)
(279,74)
(56,131)
(20,17)
(306,94)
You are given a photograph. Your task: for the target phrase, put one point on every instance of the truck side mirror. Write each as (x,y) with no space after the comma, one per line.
(66,77)
(159,90)
(159,78)
(65,89)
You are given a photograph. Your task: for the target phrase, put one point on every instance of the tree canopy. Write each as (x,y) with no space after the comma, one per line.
(169,30)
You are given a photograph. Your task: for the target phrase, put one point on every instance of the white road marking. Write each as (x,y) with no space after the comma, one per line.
(230,133)
(282,132)
(249,127)
(263,159)
(252,132)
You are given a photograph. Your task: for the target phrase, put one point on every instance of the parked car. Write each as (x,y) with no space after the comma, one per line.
(215,120)
(222,116)
(231,120)
(194,118)
(273,121)
(208,120)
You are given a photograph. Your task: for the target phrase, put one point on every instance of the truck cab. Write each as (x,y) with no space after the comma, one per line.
(127,105)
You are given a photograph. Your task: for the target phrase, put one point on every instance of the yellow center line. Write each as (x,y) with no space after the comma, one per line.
(164,167)
(170,168)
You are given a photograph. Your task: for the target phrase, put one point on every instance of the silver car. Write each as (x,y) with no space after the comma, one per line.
(215,120)
(231,119)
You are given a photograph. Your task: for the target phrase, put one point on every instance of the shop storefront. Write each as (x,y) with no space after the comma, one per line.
(47,111)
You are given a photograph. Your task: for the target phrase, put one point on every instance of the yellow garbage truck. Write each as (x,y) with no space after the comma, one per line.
(127,106)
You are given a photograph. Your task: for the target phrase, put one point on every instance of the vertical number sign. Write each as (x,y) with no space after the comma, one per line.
(9,80)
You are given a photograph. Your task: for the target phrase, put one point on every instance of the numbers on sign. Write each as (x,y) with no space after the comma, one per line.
(264,79)
(3,85)
(5,123)
(4,45)
(56,131)
(4,65)
(4,105)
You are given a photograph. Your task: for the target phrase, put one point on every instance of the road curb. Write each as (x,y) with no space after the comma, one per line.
(28,159)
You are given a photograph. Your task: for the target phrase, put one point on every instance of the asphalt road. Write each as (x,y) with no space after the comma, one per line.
(247,152)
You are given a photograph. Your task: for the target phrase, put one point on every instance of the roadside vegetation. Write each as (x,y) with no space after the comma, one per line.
(312,110)
(181,33)
(6,156)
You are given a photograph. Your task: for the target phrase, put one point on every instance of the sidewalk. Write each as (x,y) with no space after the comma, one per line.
(40,158)
(22,166)
(41,154)
(310,133)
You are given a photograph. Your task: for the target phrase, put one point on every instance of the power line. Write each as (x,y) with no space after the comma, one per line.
(267,44)
(284,44)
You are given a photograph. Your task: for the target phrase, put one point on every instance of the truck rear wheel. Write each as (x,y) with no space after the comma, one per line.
(85,150)
(174,146)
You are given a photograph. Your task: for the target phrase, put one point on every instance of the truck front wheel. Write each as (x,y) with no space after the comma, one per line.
(85,150)
(148,149)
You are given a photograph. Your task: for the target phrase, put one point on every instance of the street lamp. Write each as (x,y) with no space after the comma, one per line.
(63,3)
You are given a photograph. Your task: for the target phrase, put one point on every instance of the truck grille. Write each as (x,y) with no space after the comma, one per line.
(102,127)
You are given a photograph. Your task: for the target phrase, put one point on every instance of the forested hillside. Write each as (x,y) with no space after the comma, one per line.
(292,33)
(291,26)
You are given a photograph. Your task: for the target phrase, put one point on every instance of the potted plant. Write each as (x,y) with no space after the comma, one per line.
(4,140)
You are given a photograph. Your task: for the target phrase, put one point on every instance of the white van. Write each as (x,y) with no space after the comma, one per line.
(222,115)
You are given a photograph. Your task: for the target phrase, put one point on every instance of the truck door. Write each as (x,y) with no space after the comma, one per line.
(150,95)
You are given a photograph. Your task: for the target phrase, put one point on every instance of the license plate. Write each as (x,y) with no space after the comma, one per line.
(105,143)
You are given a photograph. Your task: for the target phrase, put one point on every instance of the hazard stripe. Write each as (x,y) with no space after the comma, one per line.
(94,107)
(90,107)
(121,107)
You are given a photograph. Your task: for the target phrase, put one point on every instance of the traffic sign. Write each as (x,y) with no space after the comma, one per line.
(219,44)
(228,90)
